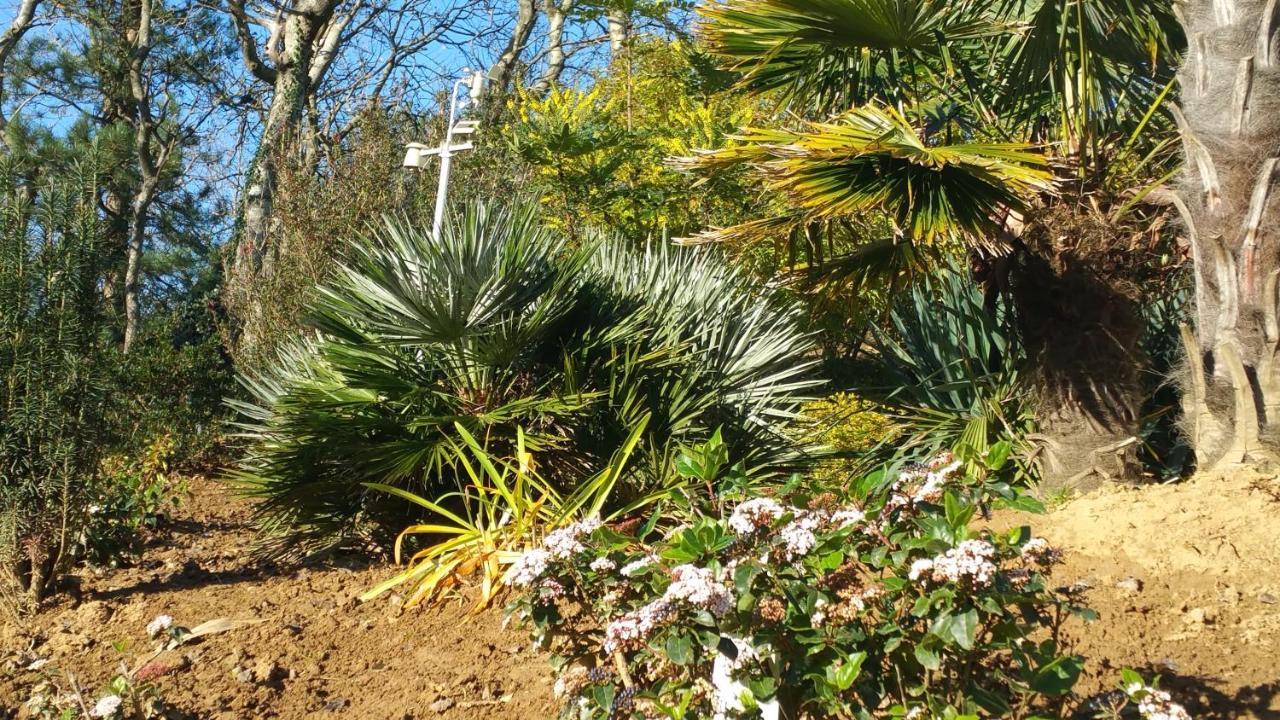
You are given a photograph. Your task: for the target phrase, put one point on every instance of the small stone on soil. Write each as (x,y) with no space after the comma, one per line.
(1130,584)
(442,705)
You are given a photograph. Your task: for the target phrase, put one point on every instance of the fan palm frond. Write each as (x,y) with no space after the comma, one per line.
(837,53)
(873,159)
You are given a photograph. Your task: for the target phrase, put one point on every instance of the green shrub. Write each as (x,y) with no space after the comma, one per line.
(954,363)
(501,325)
(54,374)
(171,388)
(129,495)
(885,603)
(848,426)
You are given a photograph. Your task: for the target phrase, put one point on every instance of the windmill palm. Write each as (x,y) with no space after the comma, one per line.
(1227,203)
(965,92)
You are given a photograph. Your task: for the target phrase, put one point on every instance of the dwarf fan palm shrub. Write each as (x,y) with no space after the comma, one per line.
(501,328)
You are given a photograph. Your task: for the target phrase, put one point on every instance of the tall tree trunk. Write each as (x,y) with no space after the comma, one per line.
(619,21)
(301,47)
(1082,334)
(152,154)
(503,69)
(1231,138)
(557,14)
(141,209)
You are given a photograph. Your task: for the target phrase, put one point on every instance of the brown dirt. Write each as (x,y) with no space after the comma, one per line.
(316,653)
(1186,580)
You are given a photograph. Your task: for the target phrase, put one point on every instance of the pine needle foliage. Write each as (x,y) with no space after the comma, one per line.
(503,328)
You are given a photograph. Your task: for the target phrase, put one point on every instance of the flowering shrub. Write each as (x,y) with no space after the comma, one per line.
(885,606)
(1150,702)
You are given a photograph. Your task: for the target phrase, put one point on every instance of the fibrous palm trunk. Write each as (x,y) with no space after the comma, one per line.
(1230,123)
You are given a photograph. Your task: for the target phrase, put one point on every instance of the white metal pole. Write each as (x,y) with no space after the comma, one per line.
(445,162)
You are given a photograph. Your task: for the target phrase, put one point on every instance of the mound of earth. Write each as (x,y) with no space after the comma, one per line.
(1186,581)
(314,652)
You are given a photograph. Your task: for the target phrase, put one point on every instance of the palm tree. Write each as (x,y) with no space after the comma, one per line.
(1231,139)
(929,112)
(504,328)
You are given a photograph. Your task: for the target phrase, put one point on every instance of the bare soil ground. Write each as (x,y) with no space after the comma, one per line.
(1186,579)
(316,653)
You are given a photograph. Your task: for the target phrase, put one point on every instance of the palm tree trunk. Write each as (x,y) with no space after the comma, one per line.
(1231,138)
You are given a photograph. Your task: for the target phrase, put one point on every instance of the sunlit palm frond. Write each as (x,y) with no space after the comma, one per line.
(873,159)
(1088,70)
(836,53)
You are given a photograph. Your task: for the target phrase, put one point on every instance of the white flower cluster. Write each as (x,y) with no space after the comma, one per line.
(603,564)
(636,566)
(819,615)
(845,517)
(1158,705)
(529,567)
(159,625)
(751,515)
(798,536)
(697,586)
(935,476)
(1037,550)
(690,585)
(566,542)
(970,561)
(632,627)
(558,545)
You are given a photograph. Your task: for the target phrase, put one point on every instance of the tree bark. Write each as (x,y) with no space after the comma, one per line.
(9,40)
(150,160)
(557,14)
(1230,128)
(503,69)
(301,47)
(619,22)
(1082,334)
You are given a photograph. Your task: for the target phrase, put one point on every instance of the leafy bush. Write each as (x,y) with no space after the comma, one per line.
(955,364)
(887,604)
(54,369)
(170,389)
(129,495)
(500,507)
(1150,701)
(502,327)
(599,155)
(848,426)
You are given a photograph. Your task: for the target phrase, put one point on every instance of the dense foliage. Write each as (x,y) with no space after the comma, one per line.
(54,371)
(502,326)
(84,428)
(886,602)
(954,366)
